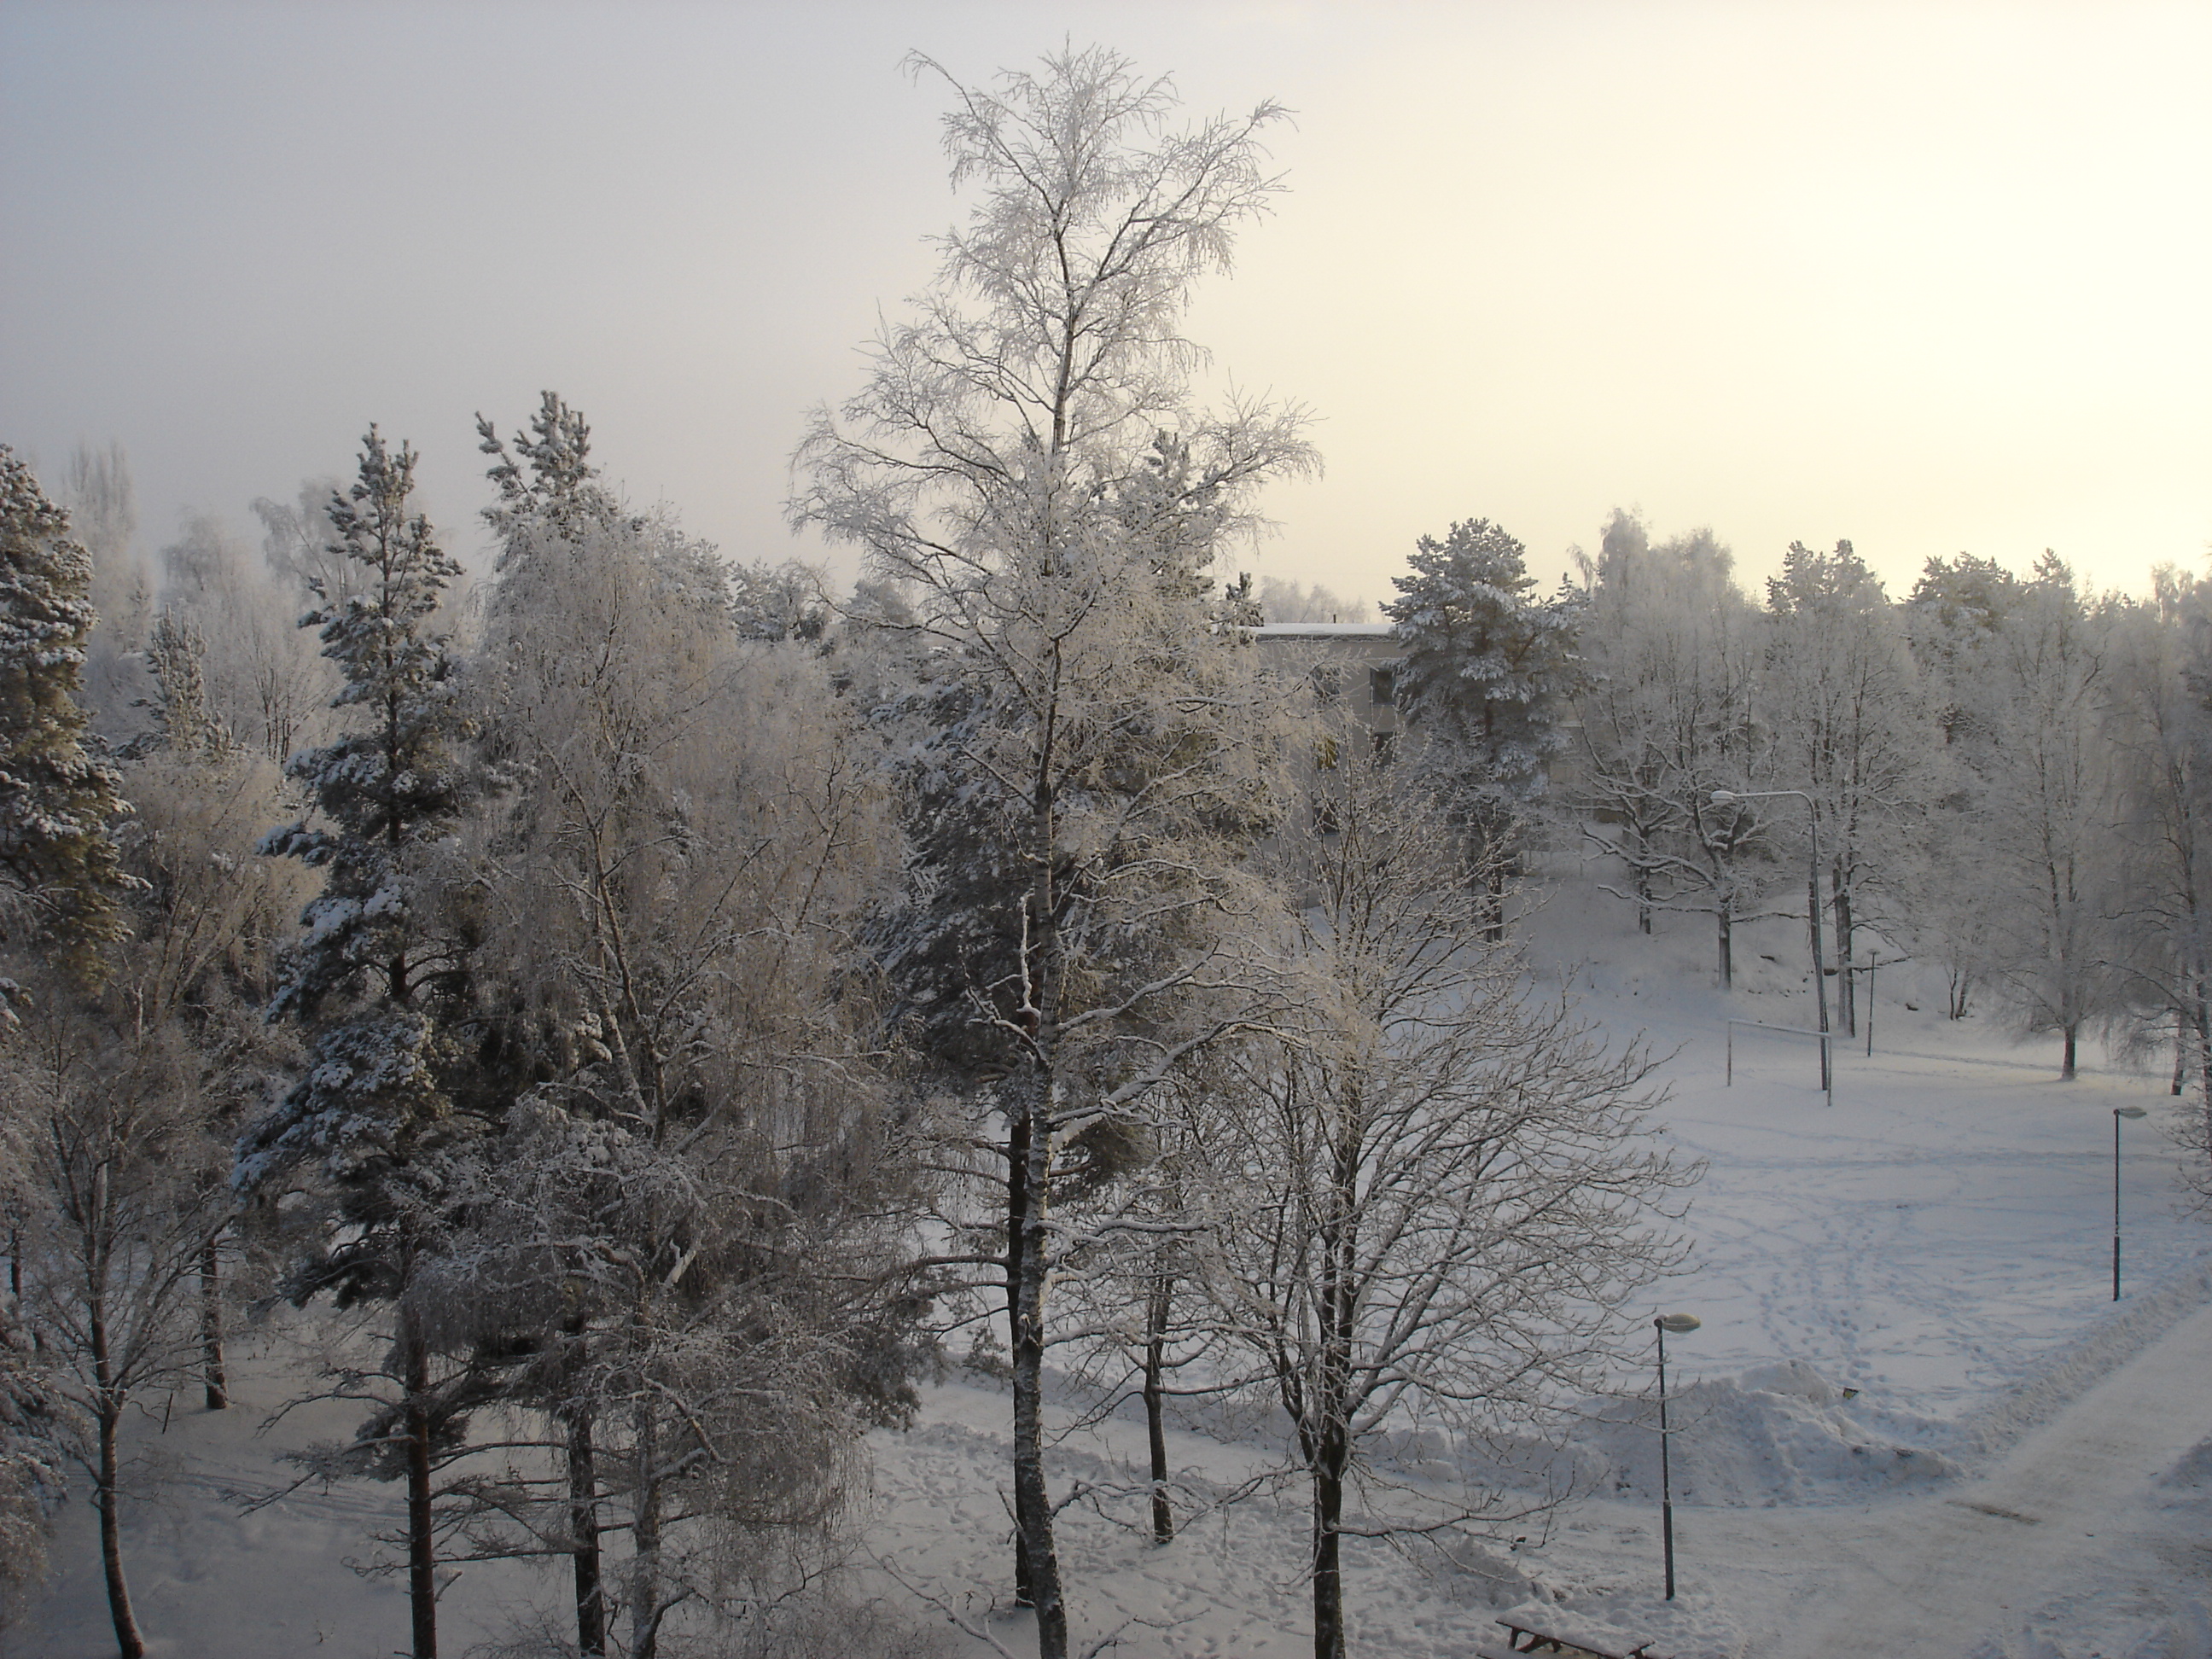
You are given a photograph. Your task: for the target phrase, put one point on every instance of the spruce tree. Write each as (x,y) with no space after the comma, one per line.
(57,797)
(380,971)
(1485,677)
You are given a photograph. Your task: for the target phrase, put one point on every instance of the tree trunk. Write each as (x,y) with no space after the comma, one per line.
(1017,1171)
(1033,1504)
(422,1546)
(1031,1146)
(1727,929)
(646,1611)
(2066,1065)
(106,1498)
(2200,1015)
(1493,926)
(584,1530)
(216,1383)
(1846,980)
(1157,1300)
(1327,1552)
(1328,1442)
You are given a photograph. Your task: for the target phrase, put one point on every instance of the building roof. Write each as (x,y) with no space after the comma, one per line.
(1305,630)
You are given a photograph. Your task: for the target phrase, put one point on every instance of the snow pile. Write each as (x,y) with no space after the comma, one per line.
(2193,1472)
(2081,1363)
(1774,1434)
(1481,1575)
(2186,1635)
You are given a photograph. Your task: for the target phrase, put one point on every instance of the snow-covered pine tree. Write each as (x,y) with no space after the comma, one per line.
(176,657)
(552,487)
(58,864)
(383,964)
(1486,670)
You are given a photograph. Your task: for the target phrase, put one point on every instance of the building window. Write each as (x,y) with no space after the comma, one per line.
(1386,747)
(1383,684)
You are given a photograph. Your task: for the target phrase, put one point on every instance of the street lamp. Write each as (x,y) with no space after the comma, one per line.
(2118,1112)
(1682,1325)
(1729,798)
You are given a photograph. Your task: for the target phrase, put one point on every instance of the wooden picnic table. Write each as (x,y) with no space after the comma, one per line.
(1521,1637)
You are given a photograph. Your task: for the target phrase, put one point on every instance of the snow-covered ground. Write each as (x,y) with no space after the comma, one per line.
(2020,1468)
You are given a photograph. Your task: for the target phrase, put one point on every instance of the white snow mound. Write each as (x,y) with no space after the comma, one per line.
(1779,1433)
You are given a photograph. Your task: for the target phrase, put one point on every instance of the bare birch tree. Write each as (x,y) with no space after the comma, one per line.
(1428,1206)
(2156,722)
(1852,729)
(1667,714)
(130,1094)
(2043,781)
(987,465)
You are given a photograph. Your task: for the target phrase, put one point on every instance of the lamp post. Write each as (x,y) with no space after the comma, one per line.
(1682,1325)
(2118,1112)
(1729,798)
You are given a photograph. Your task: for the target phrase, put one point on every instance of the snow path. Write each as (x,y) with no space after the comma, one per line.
(1934,1577)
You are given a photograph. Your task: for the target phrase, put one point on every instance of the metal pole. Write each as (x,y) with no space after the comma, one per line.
(1819,966)
(2116,1210)
(1873,963)
(1666,1478)
(1731,1028)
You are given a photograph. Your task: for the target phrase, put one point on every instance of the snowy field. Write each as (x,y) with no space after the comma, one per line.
(2023,1471)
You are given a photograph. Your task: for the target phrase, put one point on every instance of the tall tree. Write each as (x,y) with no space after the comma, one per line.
(133,1090)
(1486,671)
(2042,780)
(57,862)
(1666,714)
(685,1215)
(2156,720)
(1951,618)
(993,464)
(382,968)
(1852,730)
(262,672)
(103,510)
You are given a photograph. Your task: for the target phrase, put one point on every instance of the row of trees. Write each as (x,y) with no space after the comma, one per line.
(702,1005)
(559,1062)
(2003,776)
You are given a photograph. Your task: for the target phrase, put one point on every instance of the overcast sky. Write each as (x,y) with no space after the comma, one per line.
(1932,276)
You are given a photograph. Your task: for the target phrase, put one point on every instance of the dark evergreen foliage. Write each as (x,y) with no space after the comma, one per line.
(58,797)
(1487,668)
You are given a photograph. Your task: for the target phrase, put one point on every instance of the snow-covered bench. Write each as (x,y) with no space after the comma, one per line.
(1527,1638)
